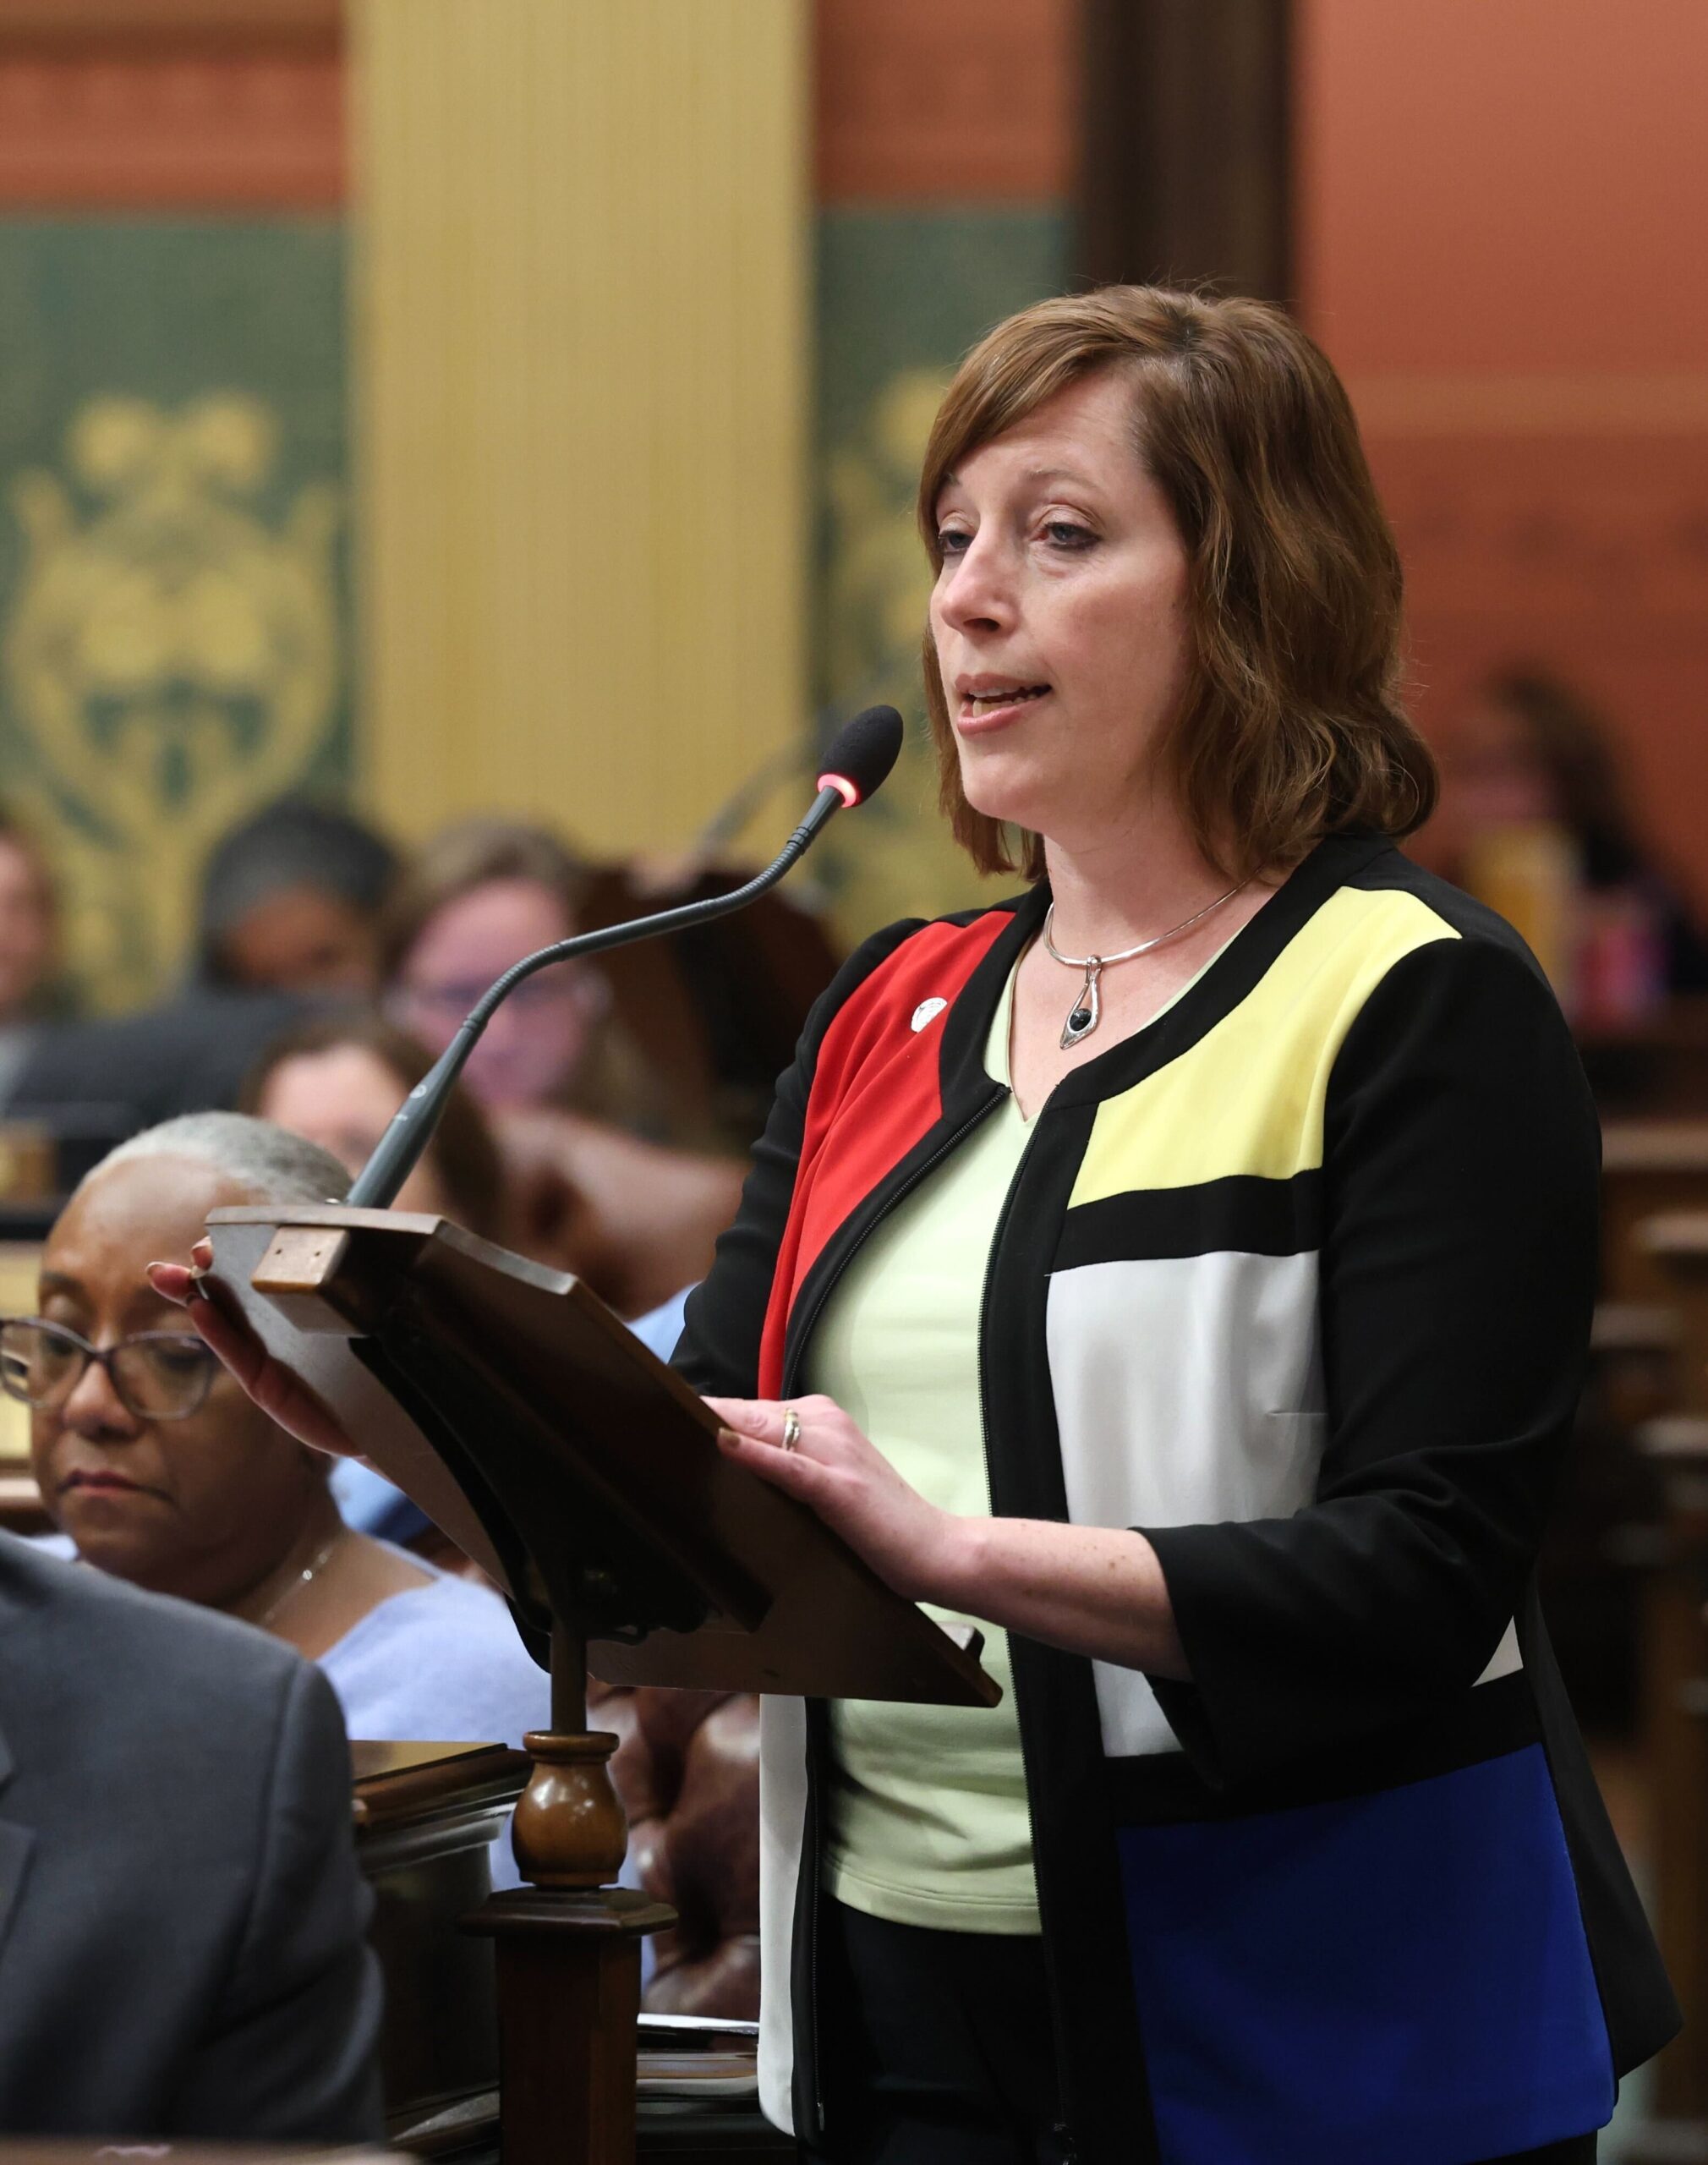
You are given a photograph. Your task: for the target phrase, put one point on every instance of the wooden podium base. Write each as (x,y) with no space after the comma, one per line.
(568,1998)
(567,1948)
(584,1478)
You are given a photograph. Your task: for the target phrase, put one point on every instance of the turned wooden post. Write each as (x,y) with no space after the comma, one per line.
(567,1945)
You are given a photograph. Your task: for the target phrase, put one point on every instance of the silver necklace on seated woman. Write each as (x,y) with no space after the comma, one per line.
(310,1572)
(1086,1011)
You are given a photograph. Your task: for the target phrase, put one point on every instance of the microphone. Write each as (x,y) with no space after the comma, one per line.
(860,757)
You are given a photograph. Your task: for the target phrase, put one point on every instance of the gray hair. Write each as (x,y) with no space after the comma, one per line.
(274,1165)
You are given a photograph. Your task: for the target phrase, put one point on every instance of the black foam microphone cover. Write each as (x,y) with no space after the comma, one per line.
(861,752)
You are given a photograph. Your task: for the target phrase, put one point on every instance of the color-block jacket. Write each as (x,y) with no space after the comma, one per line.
(1298,1280)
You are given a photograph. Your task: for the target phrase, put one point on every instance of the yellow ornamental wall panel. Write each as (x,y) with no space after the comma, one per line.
(580,332)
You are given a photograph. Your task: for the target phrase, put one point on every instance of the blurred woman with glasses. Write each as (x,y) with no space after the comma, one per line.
(479,896)
(579,1117)
(156,1468)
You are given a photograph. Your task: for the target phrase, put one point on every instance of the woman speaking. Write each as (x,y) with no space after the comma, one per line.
(1185,1271)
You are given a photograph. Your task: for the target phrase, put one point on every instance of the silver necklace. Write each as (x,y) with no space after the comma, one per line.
(306,1576)
(1086,1011)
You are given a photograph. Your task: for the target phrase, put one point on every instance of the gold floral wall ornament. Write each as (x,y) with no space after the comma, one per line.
(876,588)
(903,289)
(172,662)
(877,582)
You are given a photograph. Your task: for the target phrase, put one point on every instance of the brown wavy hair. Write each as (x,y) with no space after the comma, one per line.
(1292,726)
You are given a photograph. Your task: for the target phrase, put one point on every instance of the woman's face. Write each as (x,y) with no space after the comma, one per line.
(203,1507)
(535,1042)
(302,938)
(1059,616)
(343,1099)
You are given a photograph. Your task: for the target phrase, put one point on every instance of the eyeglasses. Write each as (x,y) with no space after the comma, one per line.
(157,1375)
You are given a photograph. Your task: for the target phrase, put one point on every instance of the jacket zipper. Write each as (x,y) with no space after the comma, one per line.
(1057,2025)
(811,1859)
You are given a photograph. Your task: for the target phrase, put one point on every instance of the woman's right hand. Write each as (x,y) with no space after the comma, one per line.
(273,1386)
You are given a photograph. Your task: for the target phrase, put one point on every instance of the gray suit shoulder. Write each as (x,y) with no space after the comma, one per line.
(171,1778)
(102,1651)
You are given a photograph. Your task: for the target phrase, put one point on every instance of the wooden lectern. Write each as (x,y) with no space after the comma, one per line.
(578,1470)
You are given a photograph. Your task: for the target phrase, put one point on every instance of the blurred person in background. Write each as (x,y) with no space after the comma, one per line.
(156,1468)
(1536,818)
(29,943)
(287,921)
(636,1221)
(338,1079)
(290,902)
(678,1039)
(563,1088)
(29,925)
(479,896)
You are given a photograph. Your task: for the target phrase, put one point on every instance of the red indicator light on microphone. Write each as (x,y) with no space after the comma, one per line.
(861,754)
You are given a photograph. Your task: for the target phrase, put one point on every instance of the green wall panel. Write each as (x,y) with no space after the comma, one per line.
(174,616)
(901,294)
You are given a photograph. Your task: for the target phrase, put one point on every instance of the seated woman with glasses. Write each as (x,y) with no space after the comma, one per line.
(156,1468)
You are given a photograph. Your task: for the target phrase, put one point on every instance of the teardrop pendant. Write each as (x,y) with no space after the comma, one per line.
(1084,1015)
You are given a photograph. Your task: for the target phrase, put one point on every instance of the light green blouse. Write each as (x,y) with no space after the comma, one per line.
(928,1821)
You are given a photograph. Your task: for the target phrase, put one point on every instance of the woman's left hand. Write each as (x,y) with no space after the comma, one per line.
(1093,1590)
(843,1477)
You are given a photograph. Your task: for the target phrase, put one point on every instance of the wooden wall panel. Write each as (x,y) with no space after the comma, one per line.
(1583,550)
(582,362)
(1517,188)
(962,101)
(1500,211)
(136,105)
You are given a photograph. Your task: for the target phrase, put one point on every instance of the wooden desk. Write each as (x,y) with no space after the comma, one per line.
(21,1508)
(1675,1664)
(1654,1069)
(694,2136)
(24,2150)
(1648,1167)
(1607,1499)
(425,1816)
